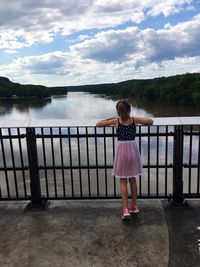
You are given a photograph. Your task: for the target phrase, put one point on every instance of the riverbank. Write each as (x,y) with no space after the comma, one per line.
(17,99)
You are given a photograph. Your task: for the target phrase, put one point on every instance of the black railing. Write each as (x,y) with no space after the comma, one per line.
(75,162)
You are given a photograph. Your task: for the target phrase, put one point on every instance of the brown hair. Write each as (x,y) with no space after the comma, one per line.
(123,109)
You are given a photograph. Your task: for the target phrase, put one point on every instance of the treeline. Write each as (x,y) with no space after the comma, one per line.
(180,89)
(10,90)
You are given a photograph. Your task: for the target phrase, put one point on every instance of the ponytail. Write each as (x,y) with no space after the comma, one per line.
(123,109)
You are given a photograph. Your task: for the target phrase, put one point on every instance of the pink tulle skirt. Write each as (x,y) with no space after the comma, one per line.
(127,162)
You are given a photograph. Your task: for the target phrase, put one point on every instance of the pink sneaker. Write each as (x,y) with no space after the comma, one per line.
(133,209)
(125,215)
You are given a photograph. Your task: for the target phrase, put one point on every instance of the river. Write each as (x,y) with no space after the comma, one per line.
(80,105)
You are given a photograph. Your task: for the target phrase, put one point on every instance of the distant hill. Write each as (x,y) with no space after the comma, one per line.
(179,89)
(10,90)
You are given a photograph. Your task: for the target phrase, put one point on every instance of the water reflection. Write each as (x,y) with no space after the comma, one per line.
(21,109)
(74,105)
(167,110)
(81,105)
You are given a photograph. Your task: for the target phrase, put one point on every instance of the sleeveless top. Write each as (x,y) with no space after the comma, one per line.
(126,132)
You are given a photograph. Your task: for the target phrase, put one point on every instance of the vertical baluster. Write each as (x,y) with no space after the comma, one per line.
(157,162)
(113,142)
(190,160)
(198,168)
(97,164)
(70,160)
(140,147)
(79,163)
(22,162)
(45,162)
(53,161)
(13,162)
(166,159)
(105,161)
(88,164)
(148,177)
(4,164)
(62,161)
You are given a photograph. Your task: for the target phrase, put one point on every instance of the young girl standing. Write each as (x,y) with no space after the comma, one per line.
(127,162)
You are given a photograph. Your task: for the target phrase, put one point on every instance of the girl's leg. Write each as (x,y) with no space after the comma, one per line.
(124,192)
(133,186)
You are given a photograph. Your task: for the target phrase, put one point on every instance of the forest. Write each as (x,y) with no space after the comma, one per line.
(14,91)
(179,89)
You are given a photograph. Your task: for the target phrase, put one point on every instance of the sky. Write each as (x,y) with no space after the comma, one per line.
(77,42)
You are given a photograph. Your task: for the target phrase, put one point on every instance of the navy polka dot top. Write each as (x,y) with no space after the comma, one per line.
(126,132)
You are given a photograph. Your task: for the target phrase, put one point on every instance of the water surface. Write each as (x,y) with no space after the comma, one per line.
(80,105)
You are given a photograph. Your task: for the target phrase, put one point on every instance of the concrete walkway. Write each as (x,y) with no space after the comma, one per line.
(184,234)
(83,233)
(91,233)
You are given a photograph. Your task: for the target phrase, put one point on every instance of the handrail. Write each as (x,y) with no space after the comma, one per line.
(158,121)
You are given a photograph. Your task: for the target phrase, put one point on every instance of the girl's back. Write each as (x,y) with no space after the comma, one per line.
(126,132)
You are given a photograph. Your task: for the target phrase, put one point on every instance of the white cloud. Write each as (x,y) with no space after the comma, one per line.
(168,7)
(169,67)
(110,55)
(56,63)
(110,46)
(142,46)
(24,23)
(9,51)
(65,69)
(83,37)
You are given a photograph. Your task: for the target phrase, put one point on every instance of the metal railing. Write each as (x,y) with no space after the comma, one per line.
(44,160)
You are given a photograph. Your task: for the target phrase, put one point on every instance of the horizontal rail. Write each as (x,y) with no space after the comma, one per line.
(55,123)
(89,166)
(86,197)
(14,168)
(97,167)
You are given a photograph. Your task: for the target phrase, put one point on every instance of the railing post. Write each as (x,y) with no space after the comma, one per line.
(178,199)
(37,202)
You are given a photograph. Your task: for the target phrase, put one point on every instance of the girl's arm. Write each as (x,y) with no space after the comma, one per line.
(143,120)
(106,122)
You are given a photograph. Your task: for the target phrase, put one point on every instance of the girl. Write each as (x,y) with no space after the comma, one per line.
(127,162)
